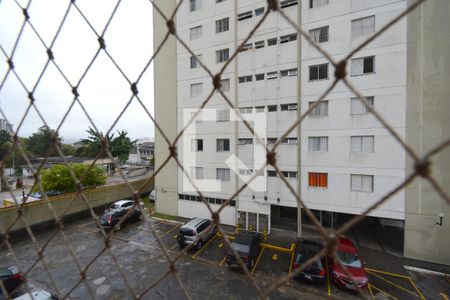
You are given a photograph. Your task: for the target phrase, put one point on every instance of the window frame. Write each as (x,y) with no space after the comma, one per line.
(318,72)
(312,144)
(222,55)
(222,25)
(226,145)
(193,35)
(364,58)
(361,189)
(315,177)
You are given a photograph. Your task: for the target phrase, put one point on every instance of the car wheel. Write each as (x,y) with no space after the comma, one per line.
(199,244)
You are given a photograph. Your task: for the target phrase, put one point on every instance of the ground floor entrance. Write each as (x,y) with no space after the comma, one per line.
(283,217)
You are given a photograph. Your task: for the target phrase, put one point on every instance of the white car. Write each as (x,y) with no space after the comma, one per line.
(38,295)
(152,195)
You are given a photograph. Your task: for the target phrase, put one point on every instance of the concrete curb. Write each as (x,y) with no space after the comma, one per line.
(166,220)
(425,271)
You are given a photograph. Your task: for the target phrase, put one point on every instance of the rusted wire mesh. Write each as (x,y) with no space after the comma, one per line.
(422,165)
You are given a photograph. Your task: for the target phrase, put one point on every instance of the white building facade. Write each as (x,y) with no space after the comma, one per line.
(340,159)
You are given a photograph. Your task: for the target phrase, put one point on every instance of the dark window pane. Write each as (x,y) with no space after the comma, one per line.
(313,73)
(199,145)
(368,65)
(323,71)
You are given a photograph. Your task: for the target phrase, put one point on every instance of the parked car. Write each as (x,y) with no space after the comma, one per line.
(152,196)
(11,279)
(348,255)
(51,193)
(305,249)
(195,232)
(38,295)
(117,211)
(247,246)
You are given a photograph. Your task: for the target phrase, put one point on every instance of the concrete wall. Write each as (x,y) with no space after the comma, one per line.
(38,212)
(427,126)
(165,110)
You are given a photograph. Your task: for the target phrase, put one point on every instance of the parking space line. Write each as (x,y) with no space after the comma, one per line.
(386,273)
(257,260)
(223,261)
(204,247)
(328,276)
(292,261)
(391,283)
(370,286)
(170,230)
(277,248)
(444,296)
(417,289)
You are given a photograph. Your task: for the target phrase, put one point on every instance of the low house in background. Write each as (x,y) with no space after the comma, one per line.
(105,163)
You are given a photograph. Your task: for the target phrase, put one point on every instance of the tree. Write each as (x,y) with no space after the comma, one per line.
(92,145)
(57,178)
(121,146)
(68,149)
(5,143)
(40,143)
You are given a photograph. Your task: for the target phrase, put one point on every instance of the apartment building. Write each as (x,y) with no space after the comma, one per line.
(340,159)
(6,126)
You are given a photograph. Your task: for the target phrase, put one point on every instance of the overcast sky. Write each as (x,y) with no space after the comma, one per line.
(103,92)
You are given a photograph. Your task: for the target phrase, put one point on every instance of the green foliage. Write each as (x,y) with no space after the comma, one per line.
(119,146)
(40,143)
(14,158)
(57,178)
(68,149)
(5,143)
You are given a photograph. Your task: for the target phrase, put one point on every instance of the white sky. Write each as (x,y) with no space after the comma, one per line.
(103,92)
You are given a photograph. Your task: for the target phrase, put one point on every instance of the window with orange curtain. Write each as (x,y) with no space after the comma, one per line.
(318,179)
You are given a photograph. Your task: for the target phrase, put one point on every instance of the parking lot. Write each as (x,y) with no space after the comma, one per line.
(203,271)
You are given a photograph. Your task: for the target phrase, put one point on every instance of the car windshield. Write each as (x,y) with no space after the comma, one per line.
(114,206)
(240,247)
(349,259)
(5,272)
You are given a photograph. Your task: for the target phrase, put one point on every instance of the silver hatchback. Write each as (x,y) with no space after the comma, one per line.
(196,232)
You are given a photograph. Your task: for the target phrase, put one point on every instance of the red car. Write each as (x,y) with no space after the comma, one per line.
(348,255)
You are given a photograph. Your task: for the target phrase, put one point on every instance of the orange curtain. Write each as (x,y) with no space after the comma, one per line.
(323,179)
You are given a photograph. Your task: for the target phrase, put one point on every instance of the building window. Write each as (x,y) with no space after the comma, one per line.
(272,42)
(318,144)
(196,33)
(363,65)
(222,55)
(363,26)
(317,72)
(288,38)
(259,76)
(222,25)
(195,5)
(222,145)
(197,173)
(271,173)
(272,75)
(362,143)
(225,85)
(246,110)
(259,44)
(271,141)
(321,110)
(319,35)
(358,108)
(289,141)
(244,15)
(243,79)
(289,72)
(260,109)
(223,174)
(317,179)
(197,145)
(317,3)
(245,141)
(287,3)
(271,108)
(259,11)
(196,89)
(246,47)
(361,183)
(222,115)
(288,107)
(245,172)
(195,60)
(289,174)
